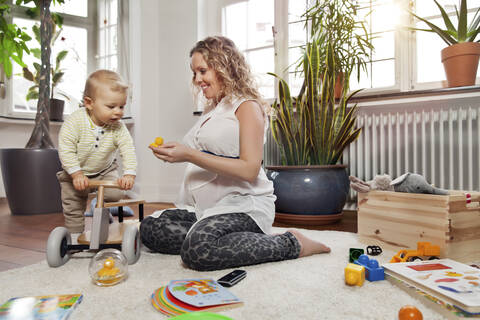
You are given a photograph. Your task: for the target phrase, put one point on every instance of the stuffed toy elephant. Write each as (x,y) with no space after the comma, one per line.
(408,182)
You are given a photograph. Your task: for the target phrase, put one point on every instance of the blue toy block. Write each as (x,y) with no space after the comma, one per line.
(373,272)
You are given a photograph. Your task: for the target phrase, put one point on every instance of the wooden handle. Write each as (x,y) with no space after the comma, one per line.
(104,183)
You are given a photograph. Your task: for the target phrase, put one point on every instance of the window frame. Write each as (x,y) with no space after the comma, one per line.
(404,52)
(88,23)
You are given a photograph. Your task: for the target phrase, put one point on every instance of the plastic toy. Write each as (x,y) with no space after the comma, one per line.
(373,272)
(158,142)
(103,235)
(354,275)
(424,249)
(409,313)
(354,254)
(374,250)
(108,267)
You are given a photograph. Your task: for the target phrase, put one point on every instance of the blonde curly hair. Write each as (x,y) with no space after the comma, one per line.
(222,55)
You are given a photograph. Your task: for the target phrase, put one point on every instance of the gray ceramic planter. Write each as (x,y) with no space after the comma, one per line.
(29,177)
(310,190)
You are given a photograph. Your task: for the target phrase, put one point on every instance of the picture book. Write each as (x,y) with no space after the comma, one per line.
(52,307)
(453,282)
(201,292)
(189,295)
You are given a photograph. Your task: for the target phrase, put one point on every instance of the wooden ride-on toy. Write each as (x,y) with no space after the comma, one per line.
(103,235)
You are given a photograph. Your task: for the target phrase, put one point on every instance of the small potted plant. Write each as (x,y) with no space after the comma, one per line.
(56,75)
(460,57)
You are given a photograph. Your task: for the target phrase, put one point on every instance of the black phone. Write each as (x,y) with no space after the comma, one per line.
(232,278)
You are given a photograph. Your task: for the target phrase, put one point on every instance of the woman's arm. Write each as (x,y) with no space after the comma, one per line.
(251,123)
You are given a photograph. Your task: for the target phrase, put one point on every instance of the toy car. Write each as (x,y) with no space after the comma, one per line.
(424,249)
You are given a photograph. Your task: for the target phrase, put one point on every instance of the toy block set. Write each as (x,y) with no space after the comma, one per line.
(403,219)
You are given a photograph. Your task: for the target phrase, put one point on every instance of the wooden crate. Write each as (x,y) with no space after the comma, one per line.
(403,219)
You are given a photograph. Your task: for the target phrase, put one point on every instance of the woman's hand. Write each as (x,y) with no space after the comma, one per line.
(172,152)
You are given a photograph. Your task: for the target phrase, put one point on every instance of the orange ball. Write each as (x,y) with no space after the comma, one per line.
(159,141)
(409,313)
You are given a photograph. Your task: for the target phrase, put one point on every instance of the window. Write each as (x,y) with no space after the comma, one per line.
(402,60)
(89,34)
(249,24)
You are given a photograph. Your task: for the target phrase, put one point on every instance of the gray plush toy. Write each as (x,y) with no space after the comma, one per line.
(409,182)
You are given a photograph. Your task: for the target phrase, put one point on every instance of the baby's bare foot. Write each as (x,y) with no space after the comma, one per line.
(308,246)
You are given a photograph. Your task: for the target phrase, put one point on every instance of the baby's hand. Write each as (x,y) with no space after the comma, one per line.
(126,182)
(80,181)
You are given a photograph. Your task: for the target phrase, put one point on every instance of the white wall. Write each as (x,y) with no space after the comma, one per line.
(161,36)
(162,33)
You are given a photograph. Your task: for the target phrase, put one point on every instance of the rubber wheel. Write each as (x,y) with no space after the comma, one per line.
(57,247)
(131,244)
(415,259)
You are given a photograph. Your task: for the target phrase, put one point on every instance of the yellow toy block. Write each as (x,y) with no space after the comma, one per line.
(354,275)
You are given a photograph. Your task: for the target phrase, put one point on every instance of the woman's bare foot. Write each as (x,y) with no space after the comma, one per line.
(308,246)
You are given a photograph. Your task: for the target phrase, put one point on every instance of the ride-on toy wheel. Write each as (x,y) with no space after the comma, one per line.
(57,247)
(131,244)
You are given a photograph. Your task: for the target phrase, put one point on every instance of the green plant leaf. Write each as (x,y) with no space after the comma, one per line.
(446,18)
(462,22)
(443,34)
(27,74)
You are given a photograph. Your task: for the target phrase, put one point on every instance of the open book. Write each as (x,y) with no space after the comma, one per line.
(450,281)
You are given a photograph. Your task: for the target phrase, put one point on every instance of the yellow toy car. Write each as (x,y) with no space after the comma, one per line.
(424,249)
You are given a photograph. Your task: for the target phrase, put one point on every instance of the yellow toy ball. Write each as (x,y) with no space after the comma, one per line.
(158,141)
(153,145)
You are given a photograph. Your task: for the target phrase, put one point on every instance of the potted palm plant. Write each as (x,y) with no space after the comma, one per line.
(460,57)
(312,131)
(29,173)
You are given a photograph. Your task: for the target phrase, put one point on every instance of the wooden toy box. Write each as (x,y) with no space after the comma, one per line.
(403,219)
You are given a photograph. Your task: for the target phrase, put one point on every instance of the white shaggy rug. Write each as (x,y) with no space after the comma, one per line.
(307,288)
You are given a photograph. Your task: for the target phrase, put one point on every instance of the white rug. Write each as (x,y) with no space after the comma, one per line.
(307,288)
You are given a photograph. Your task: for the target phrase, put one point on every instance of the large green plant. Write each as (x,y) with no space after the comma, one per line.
(13,40)
(314,130)
(463,32)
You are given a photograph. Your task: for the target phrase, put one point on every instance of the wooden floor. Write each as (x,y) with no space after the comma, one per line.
(23,239)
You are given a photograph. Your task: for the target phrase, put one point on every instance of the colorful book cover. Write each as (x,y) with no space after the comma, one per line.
(52,307)
(450,281)
(201,292)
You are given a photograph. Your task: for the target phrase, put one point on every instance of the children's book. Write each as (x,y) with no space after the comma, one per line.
(189,295)
(450,281)
(52,307)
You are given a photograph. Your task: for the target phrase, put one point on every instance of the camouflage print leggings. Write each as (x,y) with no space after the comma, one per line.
(217,242)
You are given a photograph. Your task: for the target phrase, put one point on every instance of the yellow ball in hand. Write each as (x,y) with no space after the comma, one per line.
(158,141)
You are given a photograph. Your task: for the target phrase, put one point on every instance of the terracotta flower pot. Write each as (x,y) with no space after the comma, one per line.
(461,62)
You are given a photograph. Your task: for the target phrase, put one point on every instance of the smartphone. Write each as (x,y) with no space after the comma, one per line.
(232,278)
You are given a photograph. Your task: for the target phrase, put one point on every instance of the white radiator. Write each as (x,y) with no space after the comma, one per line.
(438,139)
